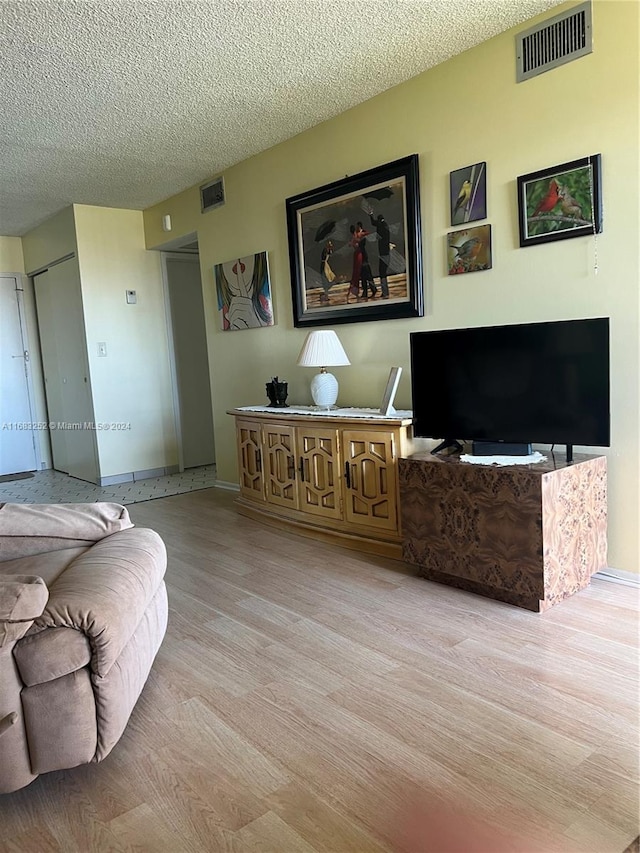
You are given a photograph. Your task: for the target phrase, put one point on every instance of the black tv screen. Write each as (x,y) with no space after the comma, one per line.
(546,383)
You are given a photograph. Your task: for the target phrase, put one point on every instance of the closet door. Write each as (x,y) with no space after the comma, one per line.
(66,370)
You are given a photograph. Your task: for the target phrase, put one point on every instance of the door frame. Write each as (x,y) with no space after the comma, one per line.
(194,257)
(21,280)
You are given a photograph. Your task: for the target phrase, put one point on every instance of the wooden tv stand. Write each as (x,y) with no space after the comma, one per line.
(530,535)
(329,475)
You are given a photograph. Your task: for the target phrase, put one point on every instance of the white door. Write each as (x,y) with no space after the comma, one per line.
(66,370)
(17,440)
(192,390)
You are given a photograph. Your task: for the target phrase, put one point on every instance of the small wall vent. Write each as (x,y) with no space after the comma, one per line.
(212,194)
(554,42)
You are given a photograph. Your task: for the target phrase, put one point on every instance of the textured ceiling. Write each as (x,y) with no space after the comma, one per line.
(126,103)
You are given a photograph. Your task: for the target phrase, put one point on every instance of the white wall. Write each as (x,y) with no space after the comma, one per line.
(131,385)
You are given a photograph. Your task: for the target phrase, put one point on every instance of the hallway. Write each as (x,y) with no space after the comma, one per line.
(54,487)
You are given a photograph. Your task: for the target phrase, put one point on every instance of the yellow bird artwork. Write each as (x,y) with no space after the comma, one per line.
(463,196)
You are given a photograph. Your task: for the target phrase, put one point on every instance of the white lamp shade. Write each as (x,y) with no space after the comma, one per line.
(322,349)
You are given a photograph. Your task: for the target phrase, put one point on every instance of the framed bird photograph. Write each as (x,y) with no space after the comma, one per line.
(561,202)
(355,248)
(469,250)
(468,193)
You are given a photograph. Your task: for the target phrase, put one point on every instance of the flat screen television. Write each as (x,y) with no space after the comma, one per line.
(545,383)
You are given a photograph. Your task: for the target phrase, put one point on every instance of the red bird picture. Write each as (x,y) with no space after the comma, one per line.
(550,199)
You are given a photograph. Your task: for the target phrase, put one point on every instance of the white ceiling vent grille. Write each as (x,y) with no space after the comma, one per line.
(554,42)
(212,194)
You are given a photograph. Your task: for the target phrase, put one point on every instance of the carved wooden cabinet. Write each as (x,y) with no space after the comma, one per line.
(530,535)
(370,475)
(334,476)
(299,468)
(249,437)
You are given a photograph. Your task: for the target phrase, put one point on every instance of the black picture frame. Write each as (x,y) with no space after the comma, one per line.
(325,240)
(560,202)
(468,194)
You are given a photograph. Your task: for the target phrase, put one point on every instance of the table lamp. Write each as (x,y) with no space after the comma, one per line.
(323,349)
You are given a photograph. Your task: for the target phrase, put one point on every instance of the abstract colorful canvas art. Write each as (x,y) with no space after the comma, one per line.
(243,290)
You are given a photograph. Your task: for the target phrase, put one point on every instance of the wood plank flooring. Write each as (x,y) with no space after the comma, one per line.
(310,699)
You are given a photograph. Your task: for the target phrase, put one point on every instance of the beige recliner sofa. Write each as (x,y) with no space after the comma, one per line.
(83,611)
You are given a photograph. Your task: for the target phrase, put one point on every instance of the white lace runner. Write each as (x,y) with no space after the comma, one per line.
(400,414)
(504,460)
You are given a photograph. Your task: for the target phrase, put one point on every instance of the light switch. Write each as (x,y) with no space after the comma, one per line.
(131,297)
(102,349)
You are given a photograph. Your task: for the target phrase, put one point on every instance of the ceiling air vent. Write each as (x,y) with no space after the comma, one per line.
(554,42)
(212,194)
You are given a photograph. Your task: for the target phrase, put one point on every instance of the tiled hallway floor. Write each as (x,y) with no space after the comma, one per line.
(47,487)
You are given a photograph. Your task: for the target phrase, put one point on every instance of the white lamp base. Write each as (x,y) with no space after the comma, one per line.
(324,390)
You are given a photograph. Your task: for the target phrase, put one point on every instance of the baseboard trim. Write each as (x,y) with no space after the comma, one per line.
(114,480)
(150,473)
(618,576)
(137,476)
(230,487)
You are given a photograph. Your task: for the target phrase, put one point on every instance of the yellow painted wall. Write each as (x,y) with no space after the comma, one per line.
(464,111)
(132,384)
(11,257)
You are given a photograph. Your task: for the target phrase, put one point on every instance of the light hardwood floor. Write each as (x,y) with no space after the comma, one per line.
(306,695)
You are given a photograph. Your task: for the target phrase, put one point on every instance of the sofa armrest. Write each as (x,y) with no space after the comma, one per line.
(28,529)
(105,592)
(22,599)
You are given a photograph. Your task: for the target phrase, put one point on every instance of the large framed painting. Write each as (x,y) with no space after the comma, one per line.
(560,202)
(355,248)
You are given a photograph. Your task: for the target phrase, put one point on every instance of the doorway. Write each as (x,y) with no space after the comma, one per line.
(190,360)
(18,452)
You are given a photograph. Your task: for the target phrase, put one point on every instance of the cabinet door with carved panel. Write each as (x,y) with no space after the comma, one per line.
(249,435)
(319,471)
(370,478)
(279,447)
